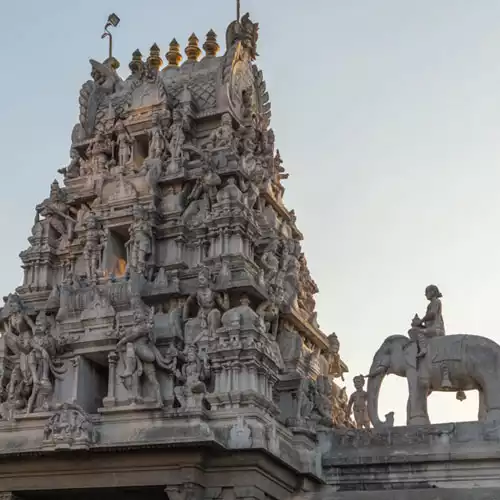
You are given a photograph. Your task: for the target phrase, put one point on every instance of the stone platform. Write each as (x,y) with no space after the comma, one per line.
(437,462)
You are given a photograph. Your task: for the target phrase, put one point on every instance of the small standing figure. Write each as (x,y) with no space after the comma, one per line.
(124,142)
(93,248)
(432,324)
(358,403)
(157,141)
(177,139)
(140,244)
(193,375)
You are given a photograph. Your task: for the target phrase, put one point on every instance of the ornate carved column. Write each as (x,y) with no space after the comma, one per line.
(75,362)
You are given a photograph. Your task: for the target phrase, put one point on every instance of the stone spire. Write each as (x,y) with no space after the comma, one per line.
(211,46)
(174,56)
(193,50)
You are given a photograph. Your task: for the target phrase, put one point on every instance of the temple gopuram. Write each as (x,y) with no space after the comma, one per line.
(164,340)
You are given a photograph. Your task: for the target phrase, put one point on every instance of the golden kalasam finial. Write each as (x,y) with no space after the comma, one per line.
(174,56)
(136,63)
(154,59)
(113,20)
(193,50)
(211,46)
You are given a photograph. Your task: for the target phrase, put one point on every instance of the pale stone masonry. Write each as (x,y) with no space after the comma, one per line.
(167,314)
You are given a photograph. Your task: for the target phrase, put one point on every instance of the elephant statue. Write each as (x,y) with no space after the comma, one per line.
(452,363)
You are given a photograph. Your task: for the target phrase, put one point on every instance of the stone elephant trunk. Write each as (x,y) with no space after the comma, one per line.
(375,378)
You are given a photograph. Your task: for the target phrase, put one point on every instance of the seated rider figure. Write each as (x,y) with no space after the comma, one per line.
(432,324)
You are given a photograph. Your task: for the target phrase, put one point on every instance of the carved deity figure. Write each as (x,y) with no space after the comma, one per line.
(100,151)
(230,192)
(176,139)
(224,137)
(193,375)
(203,195)
(32,350)
(141,355)
(58,215)
(92,250)
(269,312)
(124,142)
(270,263)
(251,188)
(140,245)
(72,171)
(208,303)
(432,324)
(157,140)
(336,367)
(41,352)
(358,404)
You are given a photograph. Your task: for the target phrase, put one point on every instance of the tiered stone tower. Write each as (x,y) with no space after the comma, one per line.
(166,305)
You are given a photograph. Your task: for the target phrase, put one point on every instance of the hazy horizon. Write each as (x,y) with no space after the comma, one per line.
(386,115)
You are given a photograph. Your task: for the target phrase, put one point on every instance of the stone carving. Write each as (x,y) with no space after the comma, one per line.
(58,216)
(69,428)
(269,312)
(288,275)
(358,404)
(140,245)
(94,96)
(230,192)
(224,136)
(270,263)
(124,142)
(203,195)
(72,171)
(100,152)
(157,140)
(141,355)
(208,303)
(336,367)
(432,324)
(192,376)
(467,362)
(240,435)
(252,187)
(242,316)
(92,250)
(246,32)
(33,352)
(176,139)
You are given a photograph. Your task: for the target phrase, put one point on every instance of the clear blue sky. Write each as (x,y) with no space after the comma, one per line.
(386,112)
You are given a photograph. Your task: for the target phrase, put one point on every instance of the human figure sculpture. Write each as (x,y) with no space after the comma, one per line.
(100,151)
(251,188)
(358,404)
(58,215)
(124,142)
(157,140)
(140,245)
(41,351)
(176,139)
(432,324)
(193,375)
(208,303)
(141,355)
(223,137)
(230,192)
(204,193)
(336,367)
(93,247)
(269,312)
(270,262)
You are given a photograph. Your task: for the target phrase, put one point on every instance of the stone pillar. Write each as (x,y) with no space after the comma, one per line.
(110,400)
(75,362)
